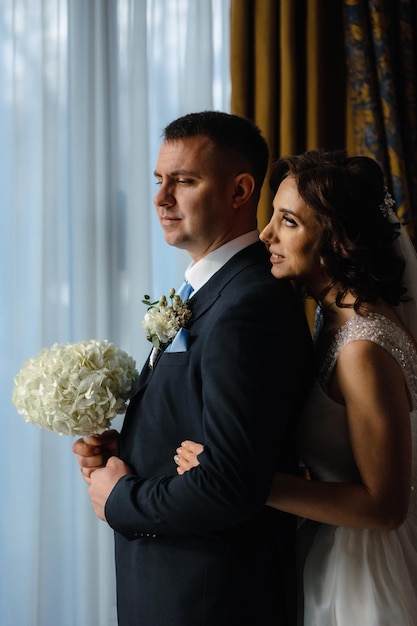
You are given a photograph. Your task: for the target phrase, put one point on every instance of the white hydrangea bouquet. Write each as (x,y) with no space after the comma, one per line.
(75,388)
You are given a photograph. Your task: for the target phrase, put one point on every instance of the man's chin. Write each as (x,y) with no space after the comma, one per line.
(174,240)
(170,238)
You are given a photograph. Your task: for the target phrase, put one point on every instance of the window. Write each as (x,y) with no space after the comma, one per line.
(85,90)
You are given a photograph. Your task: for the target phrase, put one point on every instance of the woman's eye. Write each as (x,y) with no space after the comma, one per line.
(289,221)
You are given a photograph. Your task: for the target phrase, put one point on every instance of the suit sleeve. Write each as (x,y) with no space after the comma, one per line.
(250,376)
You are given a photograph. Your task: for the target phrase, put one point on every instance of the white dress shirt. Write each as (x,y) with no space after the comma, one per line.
(199,273)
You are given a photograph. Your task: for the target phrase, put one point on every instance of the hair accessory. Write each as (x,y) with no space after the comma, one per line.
(387,206)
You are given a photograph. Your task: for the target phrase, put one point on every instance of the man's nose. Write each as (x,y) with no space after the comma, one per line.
(164,196)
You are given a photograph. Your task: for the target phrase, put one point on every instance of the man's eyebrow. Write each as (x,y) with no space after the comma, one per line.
(180,172)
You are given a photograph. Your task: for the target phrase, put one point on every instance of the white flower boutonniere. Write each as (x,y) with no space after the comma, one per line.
(163,320)
(75,388)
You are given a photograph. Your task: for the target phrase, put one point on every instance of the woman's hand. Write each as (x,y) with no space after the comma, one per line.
(186,456)
(93,452)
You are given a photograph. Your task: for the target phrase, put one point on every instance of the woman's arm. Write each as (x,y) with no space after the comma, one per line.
(371,385)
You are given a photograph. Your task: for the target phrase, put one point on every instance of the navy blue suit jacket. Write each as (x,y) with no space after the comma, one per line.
(202,549)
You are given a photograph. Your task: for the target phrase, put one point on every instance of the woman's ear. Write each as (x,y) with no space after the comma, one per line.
(244,188)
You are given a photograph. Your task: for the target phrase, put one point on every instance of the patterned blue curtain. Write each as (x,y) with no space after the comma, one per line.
(381,51)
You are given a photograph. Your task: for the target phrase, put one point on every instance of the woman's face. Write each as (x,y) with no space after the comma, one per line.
(292,237)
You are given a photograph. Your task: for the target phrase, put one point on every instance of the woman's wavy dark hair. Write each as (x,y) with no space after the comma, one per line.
(356,242)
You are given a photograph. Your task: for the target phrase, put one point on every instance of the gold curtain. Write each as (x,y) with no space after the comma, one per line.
(331,74)
(254,67)
(289,76)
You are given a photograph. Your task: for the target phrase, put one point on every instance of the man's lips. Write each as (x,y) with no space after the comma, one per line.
(167,220)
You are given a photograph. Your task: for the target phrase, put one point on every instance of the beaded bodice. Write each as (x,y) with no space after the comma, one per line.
(382,331)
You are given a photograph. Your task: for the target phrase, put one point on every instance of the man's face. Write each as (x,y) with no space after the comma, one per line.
(195,197)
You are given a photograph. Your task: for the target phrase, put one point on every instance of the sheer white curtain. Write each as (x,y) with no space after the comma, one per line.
(86,87)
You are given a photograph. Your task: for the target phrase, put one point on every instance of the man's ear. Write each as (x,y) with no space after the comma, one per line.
(244,188)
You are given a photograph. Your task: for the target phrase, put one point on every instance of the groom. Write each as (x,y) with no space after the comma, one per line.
(202,549)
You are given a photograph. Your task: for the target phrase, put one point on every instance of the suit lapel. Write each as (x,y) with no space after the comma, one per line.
(206,297)
(208,294)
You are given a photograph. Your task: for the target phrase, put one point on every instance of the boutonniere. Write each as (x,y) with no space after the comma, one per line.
(163,320)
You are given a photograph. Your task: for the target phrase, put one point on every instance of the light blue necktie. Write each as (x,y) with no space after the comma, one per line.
(185,290)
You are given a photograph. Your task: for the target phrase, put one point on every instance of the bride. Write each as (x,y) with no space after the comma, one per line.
(334,232)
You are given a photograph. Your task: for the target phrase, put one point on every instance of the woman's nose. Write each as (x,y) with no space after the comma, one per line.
(266,234)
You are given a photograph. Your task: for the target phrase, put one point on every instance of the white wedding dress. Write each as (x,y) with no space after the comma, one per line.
(357,577)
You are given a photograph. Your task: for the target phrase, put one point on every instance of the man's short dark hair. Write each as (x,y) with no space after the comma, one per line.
(231,132)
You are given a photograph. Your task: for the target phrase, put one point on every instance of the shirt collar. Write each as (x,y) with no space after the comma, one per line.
(199,273)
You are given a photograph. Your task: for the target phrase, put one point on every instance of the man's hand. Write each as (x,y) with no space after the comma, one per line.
(102,482)
(93,452)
